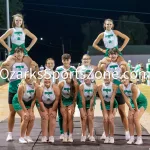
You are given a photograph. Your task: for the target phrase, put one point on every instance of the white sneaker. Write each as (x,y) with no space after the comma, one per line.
(127,135)
(111,140)
(103,137)
(28,139)
(83,138)
(92,138)
(22,140)
(139,141)
(51,139)
(88,137)
(61,137)
(44,139)
(65,139)
(9,137)
(131,141)
(70,139)
(106,140)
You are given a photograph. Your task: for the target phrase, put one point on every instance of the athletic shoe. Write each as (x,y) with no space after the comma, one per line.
(51,139)
(28,139)
(131,141)
(127,135)
(61,137)
(106,140)
(65,139)
(70,139)
(92,138)
(44,139)
(22,140)
(111,140)
(83,138)
(139,141)
(9,137)
(103,137)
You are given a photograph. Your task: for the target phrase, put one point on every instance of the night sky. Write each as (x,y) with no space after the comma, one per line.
(52,26)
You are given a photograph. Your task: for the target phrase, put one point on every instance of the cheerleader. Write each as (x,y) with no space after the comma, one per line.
(109,105)
(87,92)
(137,104)
(48,98)
(110,39)
(23,104)
(68,95)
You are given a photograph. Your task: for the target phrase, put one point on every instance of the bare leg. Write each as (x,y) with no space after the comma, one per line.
(124,119)
(44,124)
(83,121)
(52,122)
(106,125)
(111,124)
(11,118)
(24,123)
(31,123)
(90,121)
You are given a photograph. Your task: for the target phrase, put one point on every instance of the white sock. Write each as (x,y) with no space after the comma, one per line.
(70,135)
(65,134)
(127,132)
(9,132)
(139,137)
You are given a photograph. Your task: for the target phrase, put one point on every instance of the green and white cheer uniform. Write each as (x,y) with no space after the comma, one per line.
(27,98)
(107,92)
(141,99)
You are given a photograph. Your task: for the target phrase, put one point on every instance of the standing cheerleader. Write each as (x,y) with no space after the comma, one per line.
(23,103)
(48,98)
(88,92)
(68,95)
(107,92)
(137,104)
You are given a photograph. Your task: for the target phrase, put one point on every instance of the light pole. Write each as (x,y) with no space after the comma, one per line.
(8,21)
(8,25)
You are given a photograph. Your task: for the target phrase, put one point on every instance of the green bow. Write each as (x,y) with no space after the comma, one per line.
(109,35)
(127,91)
(30,91)
(107,90)
(18,33)
(48,93)
(114,66)
(88,91)
(67,89)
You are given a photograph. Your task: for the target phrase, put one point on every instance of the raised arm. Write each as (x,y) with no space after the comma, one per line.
(97,40)
(32,36)
(123,36)
(4,36)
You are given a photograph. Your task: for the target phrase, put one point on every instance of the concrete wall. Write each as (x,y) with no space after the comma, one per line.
(134,58)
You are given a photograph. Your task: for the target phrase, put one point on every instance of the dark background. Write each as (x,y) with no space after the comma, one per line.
(41,19)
